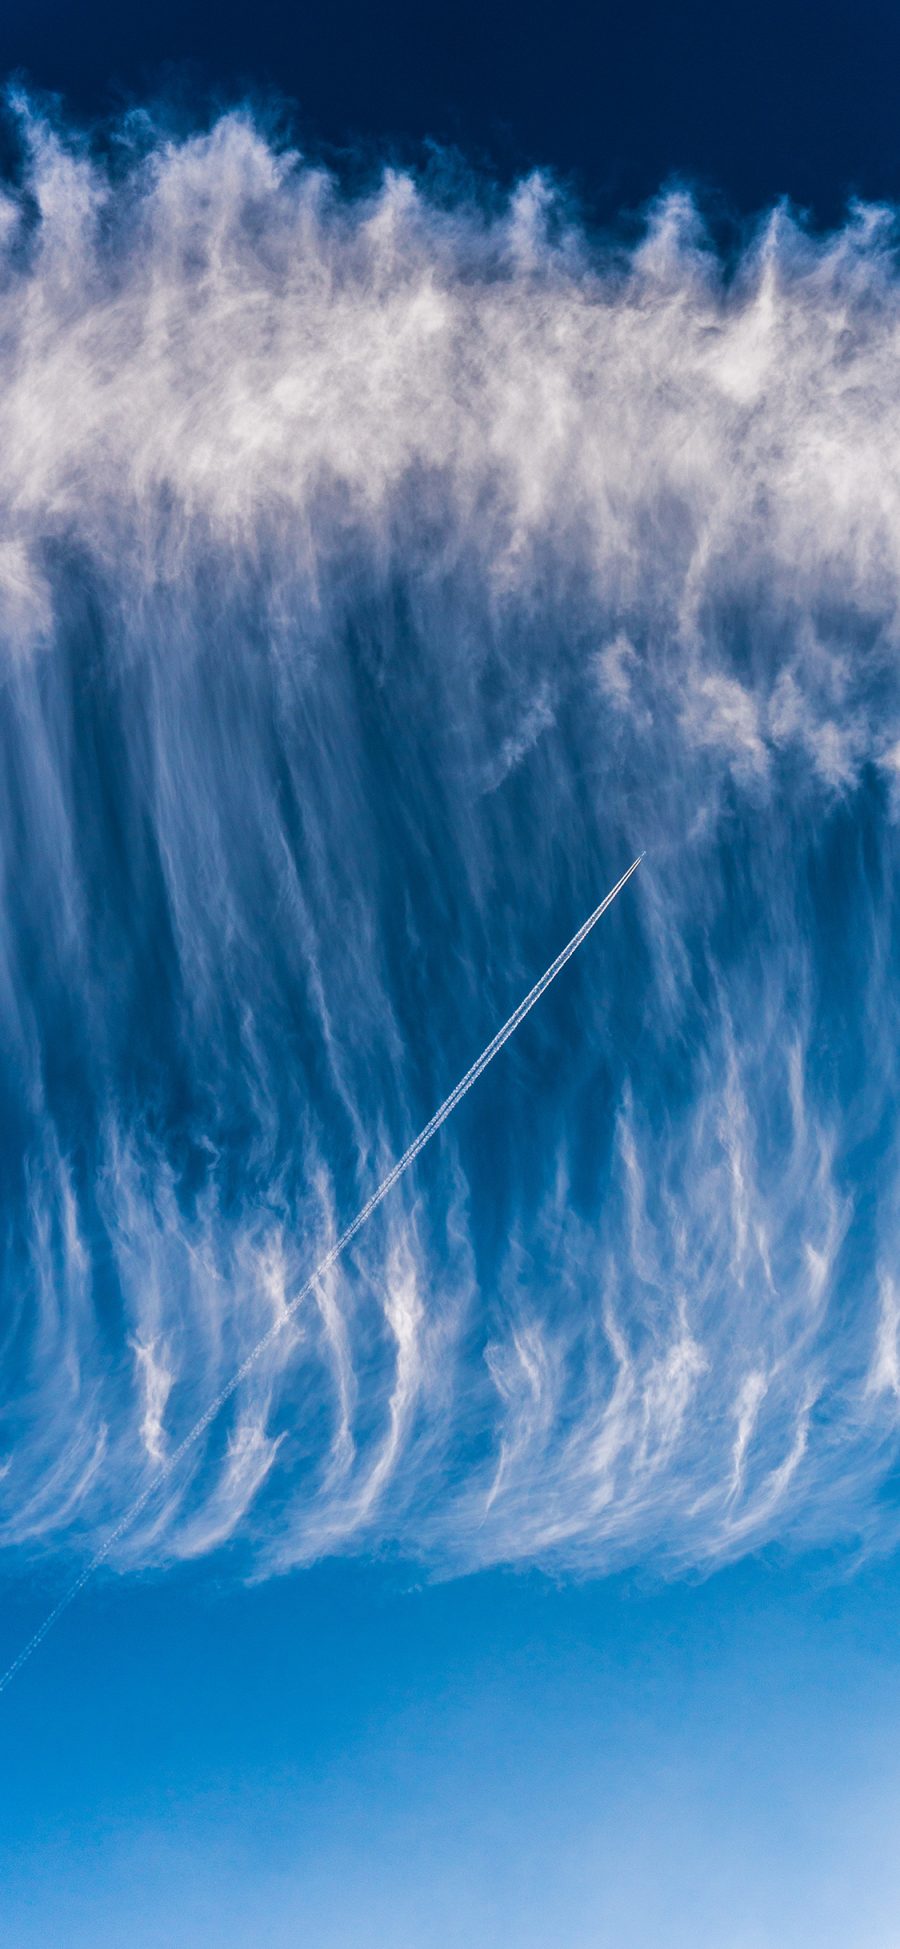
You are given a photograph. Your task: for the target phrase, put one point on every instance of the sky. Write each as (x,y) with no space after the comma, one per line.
(435,471)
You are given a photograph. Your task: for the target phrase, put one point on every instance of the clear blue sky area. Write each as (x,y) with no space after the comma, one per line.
(755,102)
(348,1759)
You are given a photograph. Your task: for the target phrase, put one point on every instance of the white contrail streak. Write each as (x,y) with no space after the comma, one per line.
(332,1255)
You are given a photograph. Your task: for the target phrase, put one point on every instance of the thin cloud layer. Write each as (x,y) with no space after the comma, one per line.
(377,575)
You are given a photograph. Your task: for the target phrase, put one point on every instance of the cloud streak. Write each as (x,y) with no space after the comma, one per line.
(372,570)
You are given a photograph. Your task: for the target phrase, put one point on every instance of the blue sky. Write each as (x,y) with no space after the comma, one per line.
(395,538)
(363,1761)
(755,101)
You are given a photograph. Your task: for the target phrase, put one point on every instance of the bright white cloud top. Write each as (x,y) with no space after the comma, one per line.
(376,573)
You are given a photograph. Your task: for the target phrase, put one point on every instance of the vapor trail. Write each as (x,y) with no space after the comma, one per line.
(335,1252)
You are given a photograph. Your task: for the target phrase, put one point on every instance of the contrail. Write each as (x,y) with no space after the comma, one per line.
(332,1255)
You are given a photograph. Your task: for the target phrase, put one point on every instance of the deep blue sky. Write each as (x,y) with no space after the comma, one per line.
(350,1754)
(751,102)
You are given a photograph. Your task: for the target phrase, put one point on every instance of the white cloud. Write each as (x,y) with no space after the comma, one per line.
(156,1382)
(884,1373)
(313,514)
(719,712)
(613,666)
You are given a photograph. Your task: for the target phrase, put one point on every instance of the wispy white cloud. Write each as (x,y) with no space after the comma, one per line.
(376,576)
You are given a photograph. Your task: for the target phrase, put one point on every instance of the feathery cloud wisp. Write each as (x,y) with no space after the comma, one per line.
(375,574)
